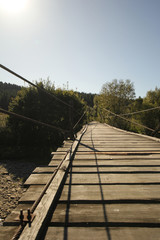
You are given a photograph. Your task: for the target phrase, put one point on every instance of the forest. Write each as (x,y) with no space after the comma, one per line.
(7,91)
(57,113)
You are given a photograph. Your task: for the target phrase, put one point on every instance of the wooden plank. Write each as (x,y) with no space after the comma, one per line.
(108,162)
(10,220)
(42,210)
(102,233)
(119,150)
(47,169)
(40,179)
(117,169)
(54,163)
(119,144)
(7,232)
(60,151)
(58,157)
(100,178)
(85,156)
(110,192)
(107,213)
(117,141)
(32,194)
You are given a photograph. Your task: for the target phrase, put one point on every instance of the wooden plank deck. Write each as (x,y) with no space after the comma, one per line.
(109,191)
(108,196)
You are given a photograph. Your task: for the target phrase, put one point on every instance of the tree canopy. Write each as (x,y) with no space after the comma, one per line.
(37,105)
(7,91)
(115,96)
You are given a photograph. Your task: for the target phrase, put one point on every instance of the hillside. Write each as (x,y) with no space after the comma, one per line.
(7,91)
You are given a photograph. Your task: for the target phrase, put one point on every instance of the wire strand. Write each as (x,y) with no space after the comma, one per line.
(32,120)
(145,110)
(79,120)
(34,85)
(141,125)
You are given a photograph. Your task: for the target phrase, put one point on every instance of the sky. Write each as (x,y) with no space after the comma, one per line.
(83,42)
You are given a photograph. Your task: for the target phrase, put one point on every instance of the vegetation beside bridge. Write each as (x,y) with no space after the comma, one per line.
(115,103)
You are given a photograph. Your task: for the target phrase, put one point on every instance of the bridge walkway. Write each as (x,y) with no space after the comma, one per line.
(112,190)
(109,190)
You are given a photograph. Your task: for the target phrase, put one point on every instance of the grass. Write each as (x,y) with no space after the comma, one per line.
(3,120)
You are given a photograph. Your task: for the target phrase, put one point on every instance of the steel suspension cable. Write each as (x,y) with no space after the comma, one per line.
(79,120)
(32,120)
(34,85)
(145,110)
(117,115)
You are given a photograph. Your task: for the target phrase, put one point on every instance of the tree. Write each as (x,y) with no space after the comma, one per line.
(7,91)
(152,118)
(115,96)
(37,105)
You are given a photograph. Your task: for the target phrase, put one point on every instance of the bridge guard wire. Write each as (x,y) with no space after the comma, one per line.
(34,85)
(41,89)
(117,115)
(69,154)
(79,120)
(145,110)
(33,120)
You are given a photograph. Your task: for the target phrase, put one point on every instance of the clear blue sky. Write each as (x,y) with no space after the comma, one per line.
(84,42)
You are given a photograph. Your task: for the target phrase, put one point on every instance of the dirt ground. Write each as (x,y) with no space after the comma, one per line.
(12,176)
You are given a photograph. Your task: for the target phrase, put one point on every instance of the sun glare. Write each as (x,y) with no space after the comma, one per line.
(13,6)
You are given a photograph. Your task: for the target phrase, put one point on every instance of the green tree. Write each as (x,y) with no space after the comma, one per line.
(115,96)
(152,118)
(37,105)
(141,115)
(7,91)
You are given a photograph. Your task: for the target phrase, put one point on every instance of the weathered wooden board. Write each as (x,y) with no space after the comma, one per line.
(40,179)
(107,213)
(102,233)
(99,156)
(117,141)
(109,162)
(100,178)
(32,194)
(48,199)
(110,192)
(59,156)
(7,232)
(11,219)
(54,163)
(62,149)
(46,169)
(102,189)
(119,144)
(115,169)
(120,149)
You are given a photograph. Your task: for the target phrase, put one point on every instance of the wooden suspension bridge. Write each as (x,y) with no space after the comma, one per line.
(104,185)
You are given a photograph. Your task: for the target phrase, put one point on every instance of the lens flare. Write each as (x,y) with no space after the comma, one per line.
(13,6)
